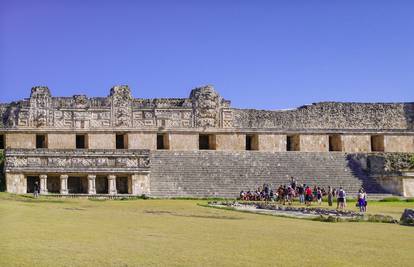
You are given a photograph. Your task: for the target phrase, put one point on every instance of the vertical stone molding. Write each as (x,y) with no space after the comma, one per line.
(43,183)
(140,184)
(112,184)
(91,184)
(64,184)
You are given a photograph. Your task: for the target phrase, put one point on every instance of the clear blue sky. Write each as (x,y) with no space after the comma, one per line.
(259,54)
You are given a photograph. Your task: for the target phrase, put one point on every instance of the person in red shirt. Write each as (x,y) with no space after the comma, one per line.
(308,196)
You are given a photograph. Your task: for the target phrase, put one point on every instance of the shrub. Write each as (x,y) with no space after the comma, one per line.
(412,161)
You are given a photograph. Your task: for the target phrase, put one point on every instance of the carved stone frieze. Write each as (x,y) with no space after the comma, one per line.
(76,160)
(203,108)
(119,110)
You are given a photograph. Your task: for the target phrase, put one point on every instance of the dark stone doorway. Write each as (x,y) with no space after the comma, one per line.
(122,185)
(101,185)
(31,182)
(77,185)
(53,184)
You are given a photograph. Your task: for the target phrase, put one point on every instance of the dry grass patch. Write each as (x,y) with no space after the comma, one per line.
(80,232)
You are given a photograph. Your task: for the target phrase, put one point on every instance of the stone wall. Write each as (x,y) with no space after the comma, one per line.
(16,183)
(183,141)
(61,141)
(142,141)
(204,108)
(356,143)
(314,143)
(272,142)
(331,115)
(399,143)
(20,140)
(230,142)
(140,184)
(408,186)
(101,141)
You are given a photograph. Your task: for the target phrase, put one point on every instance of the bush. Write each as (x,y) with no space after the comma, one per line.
(412,161)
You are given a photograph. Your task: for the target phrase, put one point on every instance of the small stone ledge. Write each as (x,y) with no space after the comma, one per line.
(318,214)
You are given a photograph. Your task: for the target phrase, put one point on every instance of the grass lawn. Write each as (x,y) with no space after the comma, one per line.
(82,232)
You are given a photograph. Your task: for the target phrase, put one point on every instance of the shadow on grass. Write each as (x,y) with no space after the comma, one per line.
(217,217)
(29,198)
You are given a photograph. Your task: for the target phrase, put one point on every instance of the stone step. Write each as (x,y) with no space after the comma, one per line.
(225,174)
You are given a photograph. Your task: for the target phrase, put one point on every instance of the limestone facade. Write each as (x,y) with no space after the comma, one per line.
(58,139)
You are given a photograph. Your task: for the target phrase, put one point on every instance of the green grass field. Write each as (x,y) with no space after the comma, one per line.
(82,232)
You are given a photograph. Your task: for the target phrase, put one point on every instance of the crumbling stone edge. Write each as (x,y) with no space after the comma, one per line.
(323,215)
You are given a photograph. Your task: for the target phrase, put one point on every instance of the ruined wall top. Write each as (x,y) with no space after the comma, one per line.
(204,108)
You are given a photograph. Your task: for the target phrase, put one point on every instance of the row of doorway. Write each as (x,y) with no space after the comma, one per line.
(79,185)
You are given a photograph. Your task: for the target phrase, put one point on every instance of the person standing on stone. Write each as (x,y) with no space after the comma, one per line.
(301,192)
(362,200)
(319,195)
(365,200)
(308,196)
(293,183)
(341,198)
(330,196)
(36,189)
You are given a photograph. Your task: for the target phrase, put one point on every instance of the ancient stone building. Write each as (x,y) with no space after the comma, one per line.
(196,146)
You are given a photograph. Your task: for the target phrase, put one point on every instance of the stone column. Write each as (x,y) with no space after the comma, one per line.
(43,183)
(91,184)
(112,184)
(64,184)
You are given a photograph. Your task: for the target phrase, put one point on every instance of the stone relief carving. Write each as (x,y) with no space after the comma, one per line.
(144,162)
(12,115)
(120,109)
(80,101)
(39,106)
(206,106)
(122,105)
(48,160)
(16,161)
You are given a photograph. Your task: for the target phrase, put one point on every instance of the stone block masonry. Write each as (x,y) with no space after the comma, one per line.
(200,145)
(225,174)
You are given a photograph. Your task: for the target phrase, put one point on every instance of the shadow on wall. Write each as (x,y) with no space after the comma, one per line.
(360,167)
(409,115)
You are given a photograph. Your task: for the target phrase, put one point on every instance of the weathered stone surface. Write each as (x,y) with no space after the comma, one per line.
(226,173)
(76,161)
(20,140)
(183,141)
(331,115)
(61,140)
(407,217)
(204,108)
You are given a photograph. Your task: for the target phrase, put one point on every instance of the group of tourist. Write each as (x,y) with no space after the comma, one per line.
(285,194)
